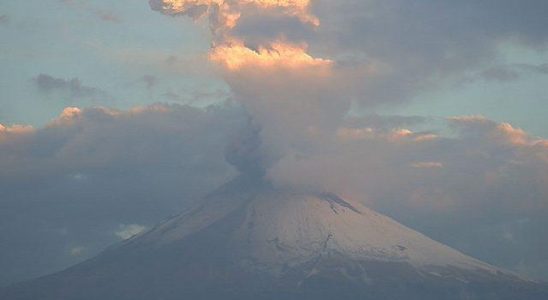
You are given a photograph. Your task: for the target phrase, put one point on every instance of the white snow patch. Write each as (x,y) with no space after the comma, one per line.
(128,231)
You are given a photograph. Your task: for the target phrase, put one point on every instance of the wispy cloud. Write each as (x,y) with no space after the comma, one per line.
(233,51)
(100,14)
(72,87)
(106,16)
(4,19)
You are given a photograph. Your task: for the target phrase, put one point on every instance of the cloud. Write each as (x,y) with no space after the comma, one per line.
(509,72)
(359,54)
(91,169)
(541,69)
(291,95)
(233,51)
(150,81)
(73,88)
(204,95)
(14,131)
(65,142)
(384,122)
(4,19)
(379,60)
(224,15)
(107,16)
(479,127)
(236,56)
(500,74)
(101,14)
(427,165)
(418,45)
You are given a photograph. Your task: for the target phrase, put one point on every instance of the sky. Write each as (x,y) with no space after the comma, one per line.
(118,114)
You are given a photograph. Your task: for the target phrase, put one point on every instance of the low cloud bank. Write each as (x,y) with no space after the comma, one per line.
(478,185)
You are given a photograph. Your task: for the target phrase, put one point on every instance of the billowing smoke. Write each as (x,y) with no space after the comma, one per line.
(223,15)
(296,98)
(234,52)
(245,152)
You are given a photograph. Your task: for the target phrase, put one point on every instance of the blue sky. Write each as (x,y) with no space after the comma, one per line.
(69,40)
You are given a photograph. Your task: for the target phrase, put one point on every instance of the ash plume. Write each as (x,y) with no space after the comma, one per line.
(245,152)
(223,16)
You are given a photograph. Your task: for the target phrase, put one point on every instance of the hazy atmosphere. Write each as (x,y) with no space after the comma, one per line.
(117,115)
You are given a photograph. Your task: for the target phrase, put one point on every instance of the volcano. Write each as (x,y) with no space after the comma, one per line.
(250,240)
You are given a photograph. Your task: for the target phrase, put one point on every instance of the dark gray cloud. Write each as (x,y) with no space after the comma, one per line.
(500,73)
(542,68)
(509,72)
(106,16)
(100,14)
(391,50)
(413,44)
(246,152)
(4,19)
(196,96)
(150,81)
(72,88)
(261,27)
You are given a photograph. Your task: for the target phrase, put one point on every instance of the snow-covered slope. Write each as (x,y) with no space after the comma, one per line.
(287,228)
(251,241)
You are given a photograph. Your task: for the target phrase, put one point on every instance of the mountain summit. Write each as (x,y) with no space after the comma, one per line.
(267,243)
